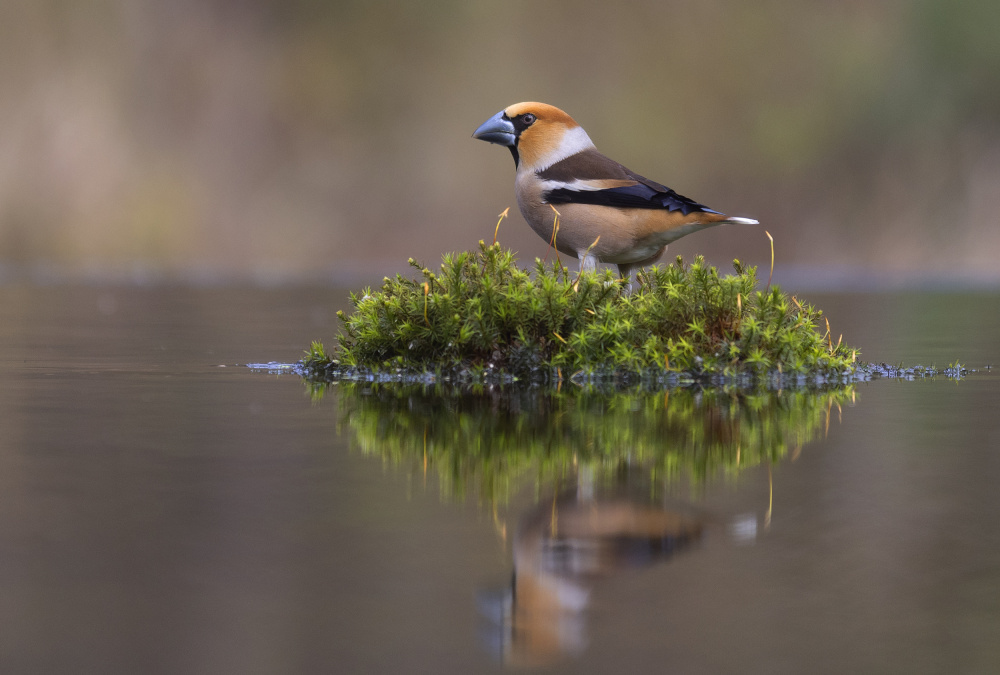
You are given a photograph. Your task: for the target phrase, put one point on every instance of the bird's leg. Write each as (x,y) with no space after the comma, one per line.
(588,263)
(625,270)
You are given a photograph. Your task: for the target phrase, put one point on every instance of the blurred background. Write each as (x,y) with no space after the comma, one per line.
(300,140)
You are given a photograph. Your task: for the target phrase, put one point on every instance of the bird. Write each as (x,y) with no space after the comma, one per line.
(606,212)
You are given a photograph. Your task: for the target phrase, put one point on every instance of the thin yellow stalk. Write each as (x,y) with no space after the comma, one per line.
(576,284)
(771,273)
(502,216)
(427,290)
(555,231)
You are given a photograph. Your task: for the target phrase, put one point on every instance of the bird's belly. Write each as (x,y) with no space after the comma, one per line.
(637,253)
(621,235)
(656,240)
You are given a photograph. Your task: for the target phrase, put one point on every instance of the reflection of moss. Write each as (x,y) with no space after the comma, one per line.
(486,439)
(482,315)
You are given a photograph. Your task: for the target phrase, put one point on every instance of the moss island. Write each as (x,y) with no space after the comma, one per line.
(483,319)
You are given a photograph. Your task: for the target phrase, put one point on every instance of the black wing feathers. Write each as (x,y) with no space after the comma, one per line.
(592,165)
(631,197)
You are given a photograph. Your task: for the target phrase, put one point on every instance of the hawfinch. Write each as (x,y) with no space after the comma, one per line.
(606,212)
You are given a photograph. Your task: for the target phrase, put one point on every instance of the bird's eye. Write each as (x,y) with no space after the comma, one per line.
(528,119)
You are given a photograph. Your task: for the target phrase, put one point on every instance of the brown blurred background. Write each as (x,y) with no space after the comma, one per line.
(307,140)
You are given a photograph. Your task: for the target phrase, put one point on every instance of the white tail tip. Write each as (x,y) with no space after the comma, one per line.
(742,221)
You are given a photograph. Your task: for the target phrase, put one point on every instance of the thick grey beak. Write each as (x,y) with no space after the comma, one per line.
(497,130)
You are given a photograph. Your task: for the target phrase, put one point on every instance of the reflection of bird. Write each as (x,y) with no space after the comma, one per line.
(606,212)
(560,549)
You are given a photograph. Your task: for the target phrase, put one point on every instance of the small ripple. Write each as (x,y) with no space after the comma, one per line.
(276,368)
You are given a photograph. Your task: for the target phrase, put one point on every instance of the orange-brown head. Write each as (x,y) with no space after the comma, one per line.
(537,134)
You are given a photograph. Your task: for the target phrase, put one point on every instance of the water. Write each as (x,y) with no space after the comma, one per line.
(166,509)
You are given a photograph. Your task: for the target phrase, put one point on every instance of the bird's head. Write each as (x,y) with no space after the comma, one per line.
(537,134)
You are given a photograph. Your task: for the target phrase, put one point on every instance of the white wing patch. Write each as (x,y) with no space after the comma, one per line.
(586,185)
(573,141)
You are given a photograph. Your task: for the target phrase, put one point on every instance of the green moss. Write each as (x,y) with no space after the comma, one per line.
(481,317)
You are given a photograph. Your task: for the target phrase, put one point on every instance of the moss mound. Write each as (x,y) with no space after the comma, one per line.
(482,317)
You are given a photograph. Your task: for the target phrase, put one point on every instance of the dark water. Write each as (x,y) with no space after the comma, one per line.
(165,509)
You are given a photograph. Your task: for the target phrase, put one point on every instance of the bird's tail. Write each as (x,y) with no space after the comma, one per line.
(733,220)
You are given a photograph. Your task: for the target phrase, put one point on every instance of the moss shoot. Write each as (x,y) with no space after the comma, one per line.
(482,318)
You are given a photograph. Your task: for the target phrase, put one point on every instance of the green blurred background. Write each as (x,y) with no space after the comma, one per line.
(306,140)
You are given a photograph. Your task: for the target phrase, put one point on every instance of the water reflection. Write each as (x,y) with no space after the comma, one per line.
(562,547)
(492,441)
(619,452)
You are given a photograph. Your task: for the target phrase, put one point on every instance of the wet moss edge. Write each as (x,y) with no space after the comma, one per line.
(482,319)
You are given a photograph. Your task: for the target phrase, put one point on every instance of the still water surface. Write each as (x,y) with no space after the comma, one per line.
(166,509)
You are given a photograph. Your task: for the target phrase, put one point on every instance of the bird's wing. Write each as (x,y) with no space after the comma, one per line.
(588,177)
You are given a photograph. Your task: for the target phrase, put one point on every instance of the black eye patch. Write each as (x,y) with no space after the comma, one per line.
(522,122)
